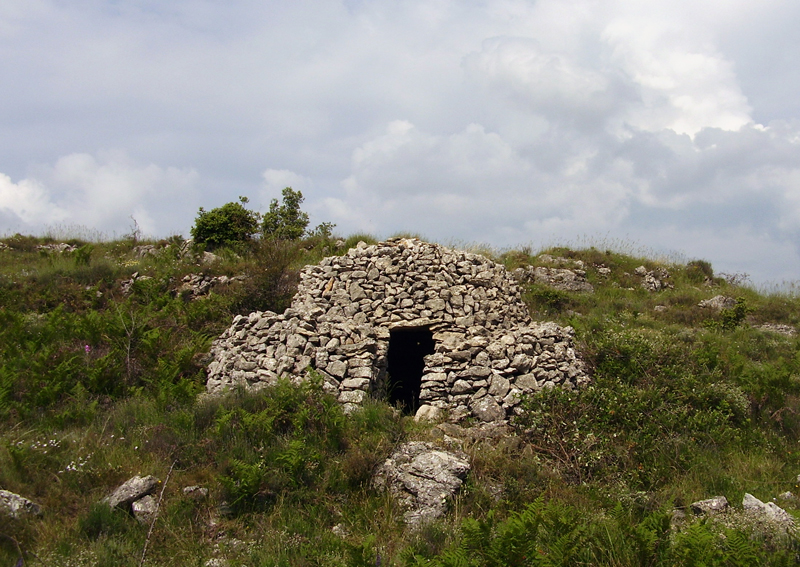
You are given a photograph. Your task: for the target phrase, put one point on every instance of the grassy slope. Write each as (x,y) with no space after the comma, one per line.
(97,385)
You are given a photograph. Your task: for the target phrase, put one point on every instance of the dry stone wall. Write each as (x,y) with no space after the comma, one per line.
(487,351)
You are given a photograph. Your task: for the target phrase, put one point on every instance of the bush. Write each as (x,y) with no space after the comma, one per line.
(229,225)
(286,221)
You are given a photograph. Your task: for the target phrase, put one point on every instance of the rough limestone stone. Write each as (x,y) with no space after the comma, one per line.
(558,278)
(341,319)
(487,409)
(710,506)
(428,413)
(768,511)
(17,506)
(718,303)
(422,477)
(144,509)
(132,490)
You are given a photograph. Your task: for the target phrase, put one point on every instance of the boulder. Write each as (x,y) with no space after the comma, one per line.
(16,506)
(422,477)
(132,490)
(710,506)
(767,511)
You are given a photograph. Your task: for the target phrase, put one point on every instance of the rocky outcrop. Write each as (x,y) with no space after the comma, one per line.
(59,248)
(422,477)
(767,512)
(654,280)
(16,506)
(786,330)
(718,303)
(564,279)
(487,351)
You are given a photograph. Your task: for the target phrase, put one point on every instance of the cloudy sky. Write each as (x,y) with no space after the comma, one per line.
(667,124)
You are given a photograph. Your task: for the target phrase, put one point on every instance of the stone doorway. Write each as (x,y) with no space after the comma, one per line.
(406,363)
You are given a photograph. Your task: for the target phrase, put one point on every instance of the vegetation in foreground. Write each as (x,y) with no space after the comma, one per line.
(100,371)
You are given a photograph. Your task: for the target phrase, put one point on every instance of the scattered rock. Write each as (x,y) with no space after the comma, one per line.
(127,285)
(59,248)
(654,280)
(767,511)
(210,258)
(718,303)
(132,490)
(710,506)
(422,477)
(146,250)
(786,330)
(563,279)
(144,509)
(17,506)
(199,285)
(195,492)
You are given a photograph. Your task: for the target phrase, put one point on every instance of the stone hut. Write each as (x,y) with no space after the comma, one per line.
(440,332)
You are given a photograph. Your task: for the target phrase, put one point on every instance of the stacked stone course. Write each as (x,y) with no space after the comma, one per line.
(487,351)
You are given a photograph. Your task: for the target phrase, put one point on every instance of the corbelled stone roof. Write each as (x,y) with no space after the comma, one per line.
(487,351)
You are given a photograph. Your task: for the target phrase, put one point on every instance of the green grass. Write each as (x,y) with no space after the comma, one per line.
(685,404)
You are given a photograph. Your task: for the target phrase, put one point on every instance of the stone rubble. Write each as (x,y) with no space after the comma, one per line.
(718,303)
(786,330)
(487,351)
(16,506)
(199,285)
(654,280)
(764,517)
(126,285)
(422,477)
(564,279)
(60,247)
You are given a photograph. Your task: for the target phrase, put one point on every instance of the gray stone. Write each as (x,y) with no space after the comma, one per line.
(768,511)
(718,303)
(144,509)
(487,409)
(710,506)
(422,477)
(16,506)
(132,490)
(428,413)
(195,492)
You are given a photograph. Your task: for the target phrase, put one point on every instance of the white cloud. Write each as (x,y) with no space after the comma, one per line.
(103,192)
(29,201)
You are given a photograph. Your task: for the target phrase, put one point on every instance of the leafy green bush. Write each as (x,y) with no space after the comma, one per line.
(229,225)
(285,221)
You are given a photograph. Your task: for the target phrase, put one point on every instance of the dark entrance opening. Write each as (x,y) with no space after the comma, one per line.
(405,365)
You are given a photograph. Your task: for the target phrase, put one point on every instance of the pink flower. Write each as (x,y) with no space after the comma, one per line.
(87,348)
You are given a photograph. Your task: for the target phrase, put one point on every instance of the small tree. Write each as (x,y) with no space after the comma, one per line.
(228,225)
(285,221)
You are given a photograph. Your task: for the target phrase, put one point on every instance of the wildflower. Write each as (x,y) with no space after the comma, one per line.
(87,349)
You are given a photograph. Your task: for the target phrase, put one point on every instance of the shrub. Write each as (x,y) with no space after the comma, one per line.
(286,221)
(229,225)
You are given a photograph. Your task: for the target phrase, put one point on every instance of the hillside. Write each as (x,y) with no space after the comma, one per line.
(103,355)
